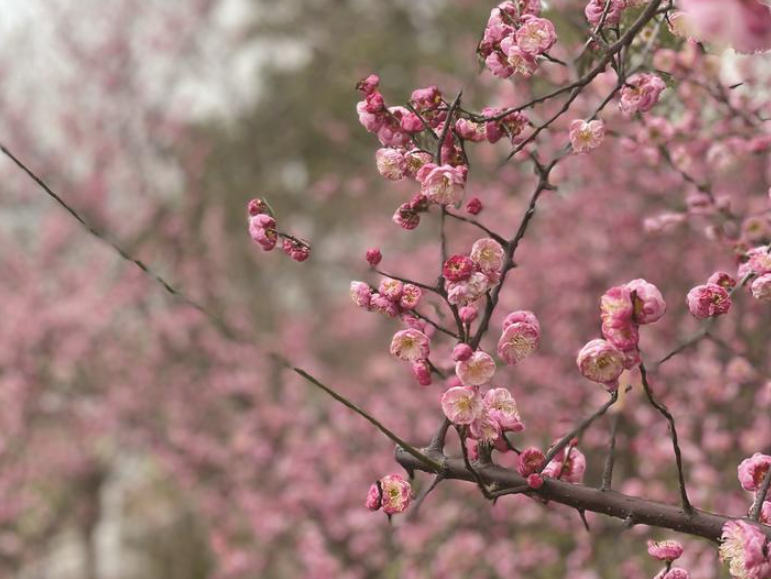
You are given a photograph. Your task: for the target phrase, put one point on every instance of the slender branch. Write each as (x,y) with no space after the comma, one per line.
(446,128)
(632,510)
(124,254)
(499,238)
(415,507)
(424,460)
(607,473)
(686,504)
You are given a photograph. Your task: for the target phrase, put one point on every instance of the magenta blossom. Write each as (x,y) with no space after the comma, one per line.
(708,301)
(458,268)
(530,461)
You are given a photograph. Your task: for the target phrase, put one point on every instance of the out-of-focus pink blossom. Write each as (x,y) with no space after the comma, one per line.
(743,548)
(665,550)
(422,372)
(586,136)
(474,206)
(374,256)
(468,314)
(723,279)
(596,8)
(361,294)
(641,93)
(761,288)
(745,25)
(462,352)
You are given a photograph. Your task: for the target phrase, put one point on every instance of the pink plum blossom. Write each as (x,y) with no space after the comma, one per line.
(462,352)
(411,296)
(476,370)
(374,256)
(458,268)
(586,136)
(422,372)
(761,288)
(596,8)
(665,550)
(531,460)
(361,294)
(503,409)
(601,362)
(474,206)
(397,494)
(723,279)
(649,304)
(752,471)
(518,341)
(462,405)
(536,35)
(742,24)
(442,185)
(641,93)
(410,345)
(391,164)
(488,255)
(743,549)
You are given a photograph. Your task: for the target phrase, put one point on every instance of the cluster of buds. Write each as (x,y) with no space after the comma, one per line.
(263,231)
(514,38)
(392,298)
(496,124)
(468,278)
(623,309)
(391,494)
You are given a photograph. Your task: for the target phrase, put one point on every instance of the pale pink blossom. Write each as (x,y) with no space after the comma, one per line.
(488,255)
(649,304)
(465,292)
(411,296)
(503,409)
(708,301)
(397,494)
(536,35)
(477,370)
(414,160)
(570,469)
(665,550)
(469,130)
(485,428)
(616,306)
(498,65)
(382,305)
(361,294)
(761,288)
(391,163)
(745,25)
(743,548)
(601,362)
(752,470)
(392,289)
(517,61)
(406,217)
(518,341)
(641,92)
(623,334)
(586,136)
(462,404)
(442,185)
(759,260)
(410,345)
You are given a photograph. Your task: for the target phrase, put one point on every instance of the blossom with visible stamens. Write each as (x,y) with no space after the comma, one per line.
(458,268)
(708,301)
(752,470)
(361,294)
(601,362)
(488,255)
(518,341)
(391,163)
(397,494)
(410,345)
(477,370)
(411,296)
(586,136)
(442,185)
(485,428)
(392,289)
(744,548)
(536,35)
(462,404)
(503,409)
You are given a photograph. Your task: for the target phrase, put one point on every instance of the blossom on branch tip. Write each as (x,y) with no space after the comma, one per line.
(406,216)
(641,92)
(723,279)
(474,206)
(297,250)
(410,345)
(396,494)
(262,230)
(462,404)
(374,256)
(708,301)
(462,352)
(411,296)
(649,304)
(477,370)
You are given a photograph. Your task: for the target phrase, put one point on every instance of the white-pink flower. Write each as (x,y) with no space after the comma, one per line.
(743,548)
(391,163)
(518,341)
(488,255)
(462,404)
(361,294)
(465,292)
(410,345)
(397,494)
(761,288)
(601,362)
(442,185)
(485,428)
(536,35)
(476,370)
(585,136)
(503,409)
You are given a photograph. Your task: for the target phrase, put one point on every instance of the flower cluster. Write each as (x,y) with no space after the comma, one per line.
(743,24)
(392,298)
(487,417)
(263,231)
(623,309)
(515,37)
(391,494)
(711,299)
(468,278)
